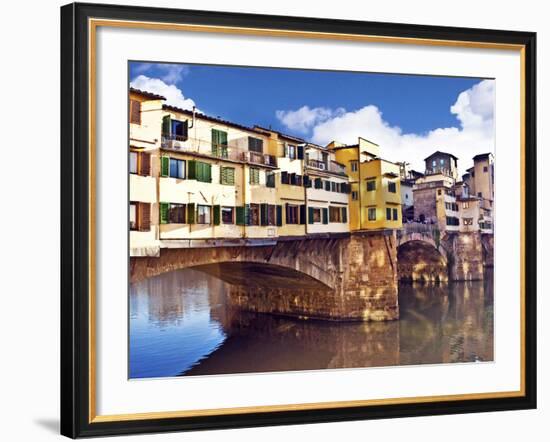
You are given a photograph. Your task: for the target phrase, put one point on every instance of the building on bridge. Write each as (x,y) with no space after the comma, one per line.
(375,194)
(197,179)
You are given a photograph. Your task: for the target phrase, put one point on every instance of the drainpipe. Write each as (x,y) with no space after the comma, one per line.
(359,189)
(305,189)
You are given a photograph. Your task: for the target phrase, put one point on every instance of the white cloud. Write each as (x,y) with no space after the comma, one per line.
(169,73)
(473,109)
(303,119)
(174,95)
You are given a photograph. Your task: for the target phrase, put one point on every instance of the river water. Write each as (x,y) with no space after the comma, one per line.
(180,325)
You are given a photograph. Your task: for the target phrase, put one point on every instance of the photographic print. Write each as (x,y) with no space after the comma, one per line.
(294,219)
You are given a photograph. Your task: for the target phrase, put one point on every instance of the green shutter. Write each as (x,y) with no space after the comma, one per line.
(191,213)
(325,215)
(263,214)
(166,125)
(217,215)
(247,214)
(206,173)
(192,169)
(279,215)
(344,215)
(164,166)
(310,215)
(240,216)
(164,208)
(300,152)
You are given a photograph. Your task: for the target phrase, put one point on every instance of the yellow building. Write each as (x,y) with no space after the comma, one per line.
(375,194)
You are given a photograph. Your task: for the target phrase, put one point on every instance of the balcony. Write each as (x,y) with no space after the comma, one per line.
(259,158)
(207,149)
(329,167)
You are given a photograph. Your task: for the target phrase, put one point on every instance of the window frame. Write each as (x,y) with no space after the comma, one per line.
(209,213)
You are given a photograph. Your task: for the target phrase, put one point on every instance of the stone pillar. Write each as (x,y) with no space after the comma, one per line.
(369,277)
(467,257)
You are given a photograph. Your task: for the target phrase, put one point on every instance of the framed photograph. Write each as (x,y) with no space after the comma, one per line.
(274,220)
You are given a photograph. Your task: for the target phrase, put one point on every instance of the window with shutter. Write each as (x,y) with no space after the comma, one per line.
(284,177)
(270,179)
(164,208)
(327,186)
(191,213)
(302,214)
(227,175)
(310,215)
(192,169)
(166,126)
(263,214)
(255,145)
(227,215)
(133,216)
(325,215)
(344,214)
(164,166)
(145,164)
(300,152)
(219,143)
(217,215)
(240,221)
(318,183)
(135,112)
(134,162)
(254,175)
(279,215)
(388,214)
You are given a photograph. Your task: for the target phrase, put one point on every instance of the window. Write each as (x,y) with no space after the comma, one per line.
(333,186)
(227,176)
(135,112)
(371,185)
(406,196)
(200,171)
(133,216)
(395,214)
(315,215)
(254,175)
(479,194)
(439,191)
(172,213)
(465,205)
(254,215)
(354,195)
(291,151)
(219,143)
(140,163)
(270,179)
(372,214)
(179,130)
(354,165)
(318,183)
(452,221)
(285,178)
(468,221)
(441,161)
(133,162)
(255,144)
(291,214)
(485,169)
(227,215)
(434,163)
(139,216)
(327,186)
(392,187)
(388,214)
(177,168)
(203,214)
(176,214)
(335,214)
(269,216)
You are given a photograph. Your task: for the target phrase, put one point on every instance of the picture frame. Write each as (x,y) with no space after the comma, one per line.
(79,203)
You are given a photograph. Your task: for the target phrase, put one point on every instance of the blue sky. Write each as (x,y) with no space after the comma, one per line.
(398,110)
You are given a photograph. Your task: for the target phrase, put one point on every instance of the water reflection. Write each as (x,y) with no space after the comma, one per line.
(180,324)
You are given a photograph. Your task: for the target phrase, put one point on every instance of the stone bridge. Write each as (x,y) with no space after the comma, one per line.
(424,253)
(349,277)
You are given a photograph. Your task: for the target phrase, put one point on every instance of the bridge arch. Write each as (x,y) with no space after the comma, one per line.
(306,263)
(421,257)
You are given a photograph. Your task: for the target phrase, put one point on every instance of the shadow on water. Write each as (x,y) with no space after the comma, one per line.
(181,325)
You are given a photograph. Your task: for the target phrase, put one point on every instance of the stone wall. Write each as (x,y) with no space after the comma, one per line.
(467,261)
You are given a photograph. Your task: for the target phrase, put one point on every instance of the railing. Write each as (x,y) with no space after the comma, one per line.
(331,167)
(414,227)
(206,148)
(259,158)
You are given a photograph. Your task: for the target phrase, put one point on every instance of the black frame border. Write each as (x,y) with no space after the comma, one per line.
(75,219)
